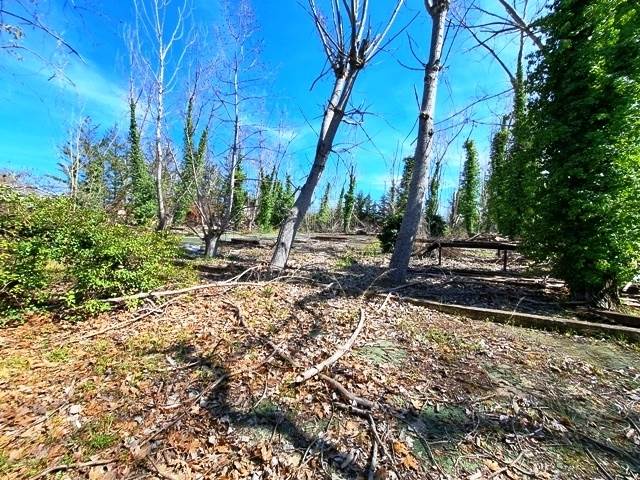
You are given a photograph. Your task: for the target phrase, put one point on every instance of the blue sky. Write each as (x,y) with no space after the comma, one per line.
(37,111)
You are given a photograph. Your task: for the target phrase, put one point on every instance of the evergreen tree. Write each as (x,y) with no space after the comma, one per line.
(324,212)
(265,201)
(240,196)
(435,222)
(339,207)
(470,188)
(284,199)
(585,117)
(403,190)
(143,194)
(192,166)
(349,202)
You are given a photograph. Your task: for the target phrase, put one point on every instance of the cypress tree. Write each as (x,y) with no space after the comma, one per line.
(349,202)
(470,189)
(192,166)
(143,194)
(324,212)
(240,196)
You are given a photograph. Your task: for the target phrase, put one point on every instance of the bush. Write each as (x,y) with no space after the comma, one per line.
(57,255)
(389,232)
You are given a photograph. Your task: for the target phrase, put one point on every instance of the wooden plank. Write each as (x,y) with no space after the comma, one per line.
(490,245)
(527,319)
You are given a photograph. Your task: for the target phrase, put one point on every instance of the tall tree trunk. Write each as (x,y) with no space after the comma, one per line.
(162,212)
(417,188)
(333,116)
(235,151)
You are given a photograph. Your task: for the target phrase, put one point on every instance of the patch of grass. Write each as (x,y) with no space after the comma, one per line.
(371,250)
(346,260)
(4,462)
(99,434)
(147,342)
(59,355)
(12,365)
(383,351)
(447,342)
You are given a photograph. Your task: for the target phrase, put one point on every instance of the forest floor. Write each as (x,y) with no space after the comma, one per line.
(202,385)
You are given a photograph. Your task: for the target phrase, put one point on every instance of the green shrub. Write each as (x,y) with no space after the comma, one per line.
(389,232)
(57,255)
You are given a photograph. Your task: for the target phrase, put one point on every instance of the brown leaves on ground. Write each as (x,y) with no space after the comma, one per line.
(458,398)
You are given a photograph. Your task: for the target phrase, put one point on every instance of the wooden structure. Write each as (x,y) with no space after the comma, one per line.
(484,244)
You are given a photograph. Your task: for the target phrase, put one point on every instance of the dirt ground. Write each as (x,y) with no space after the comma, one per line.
(202,385)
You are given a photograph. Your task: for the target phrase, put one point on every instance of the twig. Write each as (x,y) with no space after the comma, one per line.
(362,402)
(603,470)
(506,467)
(316,369)
(62,467)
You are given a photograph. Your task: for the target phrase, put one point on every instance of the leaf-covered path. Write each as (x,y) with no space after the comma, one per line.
(190,392)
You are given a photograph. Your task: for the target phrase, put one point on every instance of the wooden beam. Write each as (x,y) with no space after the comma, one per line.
(528,320)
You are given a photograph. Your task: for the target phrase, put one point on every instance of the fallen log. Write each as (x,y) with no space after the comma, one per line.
(316,369)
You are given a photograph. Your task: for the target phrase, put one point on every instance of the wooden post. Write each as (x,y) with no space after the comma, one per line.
(504,265)
(439,256)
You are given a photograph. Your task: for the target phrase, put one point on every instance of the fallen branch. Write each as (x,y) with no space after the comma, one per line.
(70,466)
(316,369)
(353,399)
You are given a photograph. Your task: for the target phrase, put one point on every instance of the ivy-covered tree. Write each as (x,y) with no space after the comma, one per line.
(349,202)
(585,117)
(143,205)
(497,205)
(519,181)
(470,189)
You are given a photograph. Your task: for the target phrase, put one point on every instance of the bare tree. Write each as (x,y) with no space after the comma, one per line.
(17,18)
(349,45)
(161,49)
(437,10)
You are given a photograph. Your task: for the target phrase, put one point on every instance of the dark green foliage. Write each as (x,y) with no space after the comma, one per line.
(55,254)
(284,199)
(389,232)
(498,208)
(519,172)
(324,212)
(192,166)
(397,205)
(143,203)
(403,191)
(349,202)
(266,202)
(470,189)
(240,197)
(366,210)
(585,118)
(339,207)
(435,222)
